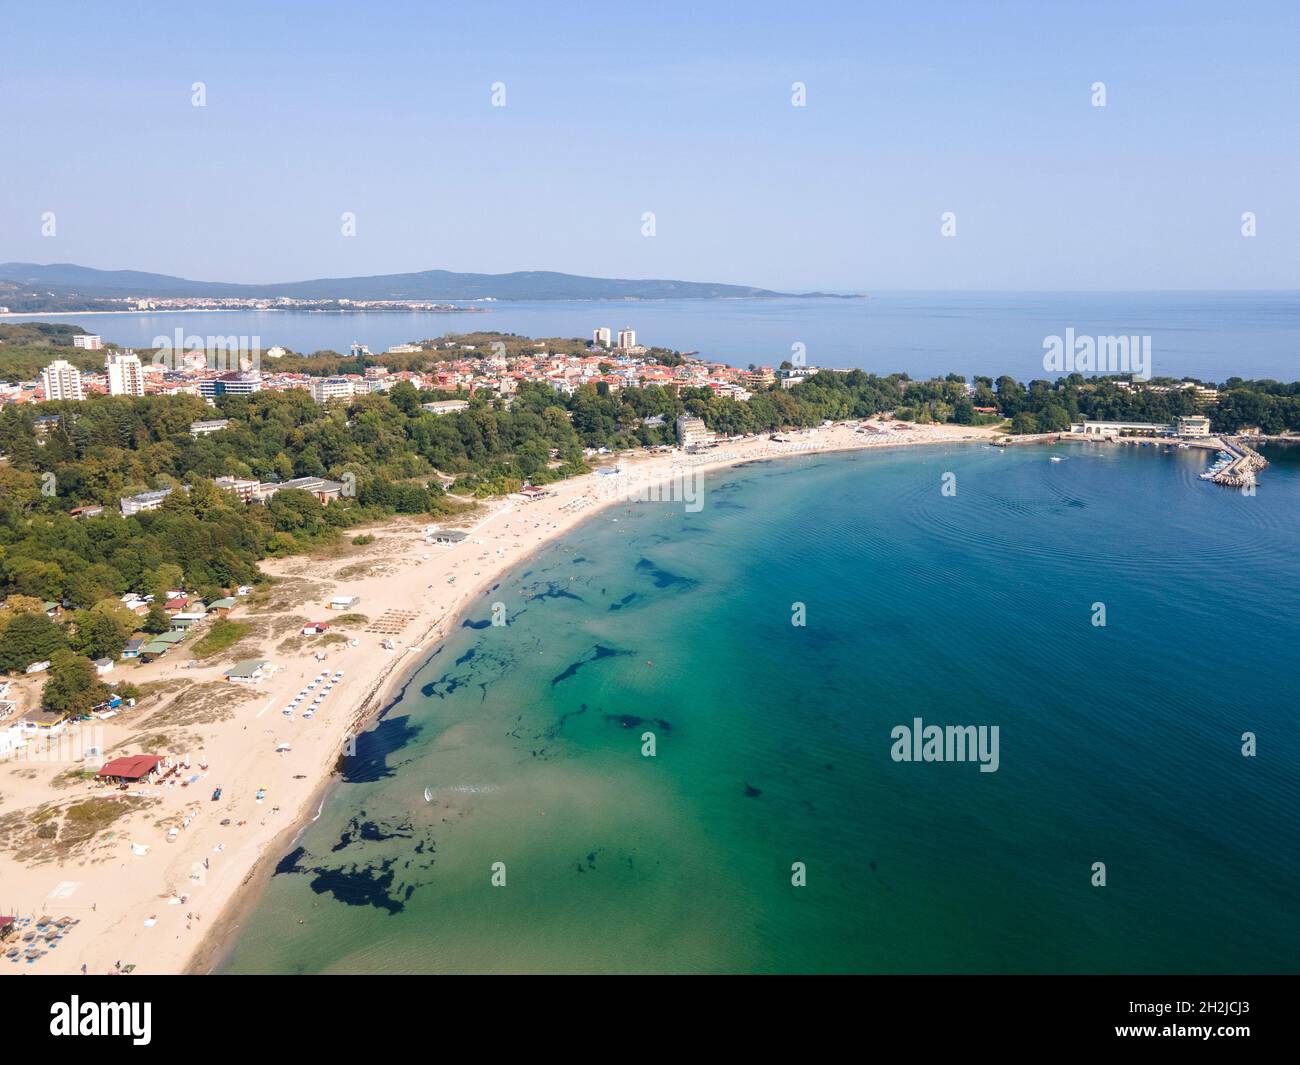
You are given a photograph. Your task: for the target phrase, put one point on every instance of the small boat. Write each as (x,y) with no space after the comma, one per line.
(1056,458)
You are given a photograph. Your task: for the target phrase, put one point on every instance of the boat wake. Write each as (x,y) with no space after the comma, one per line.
(460,789)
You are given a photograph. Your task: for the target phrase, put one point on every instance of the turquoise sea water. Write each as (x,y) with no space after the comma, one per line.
(1118,744)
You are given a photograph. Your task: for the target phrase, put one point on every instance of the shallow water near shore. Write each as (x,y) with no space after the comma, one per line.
(523,744)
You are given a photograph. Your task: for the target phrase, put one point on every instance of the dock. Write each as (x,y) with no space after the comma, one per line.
(1240,470)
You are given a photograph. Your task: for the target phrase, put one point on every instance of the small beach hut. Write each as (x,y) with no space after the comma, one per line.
(129,769)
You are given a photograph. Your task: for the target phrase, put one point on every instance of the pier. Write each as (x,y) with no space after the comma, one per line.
(1240,470)
(1243,470)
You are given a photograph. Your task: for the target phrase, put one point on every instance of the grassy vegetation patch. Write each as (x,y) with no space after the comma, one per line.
(223,635)
(199,704)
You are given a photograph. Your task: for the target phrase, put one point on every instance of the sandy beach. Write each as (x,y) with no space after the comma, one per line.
(164,901)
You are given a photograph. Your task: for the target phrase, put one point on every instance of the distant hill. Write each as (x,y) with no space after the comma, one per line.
(68,278)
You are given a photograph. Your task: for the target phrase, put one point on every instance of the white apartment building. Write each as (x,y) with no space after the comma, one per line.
(203,428)
(242,487)
(1201,393)
(88,341)
(230,384)
(137,504)
(125,375)
(323,389)
(1192,425)
(1187,425)
(62,380)
(445,406)
(601,336)
(626,339)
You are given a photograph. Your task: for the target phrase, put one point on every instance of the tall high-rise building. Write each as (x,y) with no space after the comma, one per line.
(62,380)
(88,341)
(125,374)
(626,339)
(601,336)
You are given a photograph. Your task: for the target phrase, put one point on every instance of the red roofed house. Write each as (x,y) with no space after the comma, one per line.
(128,770)
(315,628)
(177,604)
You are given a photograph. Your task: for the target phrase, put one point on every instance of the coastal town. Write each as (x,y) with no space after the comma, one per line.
(481,367)
(24,300)
(465,366)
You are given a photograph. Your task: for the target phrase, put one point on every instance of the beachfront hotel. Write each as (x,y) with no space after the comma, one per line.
(692,431)
(1186,425)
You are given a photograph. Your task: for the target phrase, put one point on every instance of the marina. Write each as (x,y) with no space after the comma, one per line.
(1236,465)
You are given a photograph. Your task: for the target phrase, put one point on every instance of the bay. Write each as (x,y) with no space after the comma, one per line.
(1207,335)
(1119,744)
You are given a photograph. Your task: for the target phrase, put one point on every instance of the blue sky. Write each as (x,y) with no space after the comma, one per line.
(615,109)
